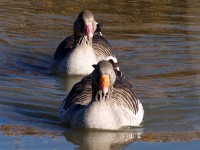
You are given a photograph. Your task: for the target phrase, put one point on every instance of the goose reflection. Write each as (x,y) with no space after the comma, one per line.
(106,140)
(69,81)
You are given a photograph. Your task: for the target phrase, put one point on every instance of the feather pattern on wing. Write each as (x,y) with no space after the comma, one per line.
(122,94)
(100,46)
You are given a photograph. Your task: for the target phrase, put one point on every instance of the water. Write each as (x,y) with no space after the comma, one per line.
(157,44)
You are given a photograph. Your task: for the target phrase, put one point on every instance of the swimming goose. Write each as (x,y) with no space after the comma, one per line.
(102,100)
(76,54)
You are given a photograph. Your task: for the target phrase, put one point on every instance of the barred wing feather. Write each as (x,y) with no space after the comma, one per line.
(100,46)
(122,95)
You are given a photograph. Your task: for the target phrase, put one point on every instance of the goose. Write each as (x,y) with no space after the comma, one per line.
(102,100)
(76,54)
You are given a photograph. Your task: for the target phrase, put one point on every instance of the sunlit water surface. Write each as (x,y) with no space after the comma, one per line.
(158,47)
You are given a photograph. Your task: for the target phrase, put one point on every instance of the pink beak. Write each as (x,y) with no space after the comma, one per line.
(88,29)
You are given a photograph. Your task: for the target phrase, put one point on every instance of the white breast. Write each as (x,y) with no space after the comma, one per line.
(79,62)
(103,115)
(98,115)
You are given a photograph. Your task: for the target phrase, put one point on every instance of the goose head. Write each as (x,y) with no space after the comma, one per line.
(103,76)
(85,24)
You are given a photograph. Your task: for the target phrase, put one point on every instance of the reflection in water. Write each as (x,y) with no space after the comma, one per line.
(69,81)
(25,137)
(170,136)
(102,140)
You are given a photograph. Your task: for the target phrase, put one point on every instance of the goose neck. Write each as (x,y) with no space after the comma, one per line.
(98,95)
(83,41)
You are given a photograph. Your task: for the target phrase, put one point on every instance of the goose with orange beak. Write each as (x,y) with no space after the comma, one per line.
(102,100)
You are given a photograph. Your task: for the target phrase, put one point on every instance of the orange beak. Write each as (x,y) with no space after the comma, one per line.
(105,83)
